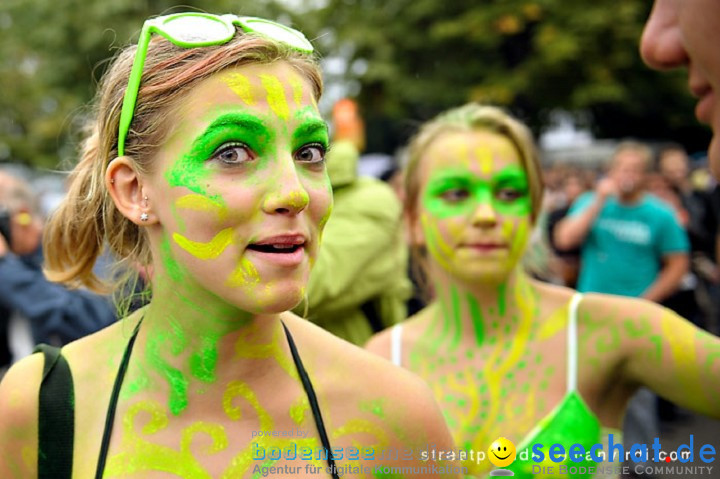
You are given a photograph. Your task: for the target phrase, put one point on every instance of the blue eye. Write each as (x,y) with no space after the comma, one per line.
(312,153)
(233,153)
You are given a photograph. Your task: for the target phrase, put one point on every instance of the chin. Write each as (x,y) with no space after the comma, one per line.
(489,276)
(271,300)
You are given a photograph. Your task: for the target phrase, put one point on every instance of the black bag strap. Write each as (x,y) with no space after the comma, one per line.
(56,417)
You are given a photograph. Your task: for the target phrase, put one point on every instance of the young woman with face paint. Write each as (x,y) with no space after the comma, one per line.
(221,195)
(508,356)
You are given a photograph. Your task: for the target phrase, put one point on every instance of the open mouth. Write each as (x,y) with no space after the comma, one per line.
(275,248)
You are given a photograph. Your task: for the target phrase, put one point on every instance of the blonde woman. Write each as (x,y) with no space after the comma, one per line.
(205,165)
(508,356)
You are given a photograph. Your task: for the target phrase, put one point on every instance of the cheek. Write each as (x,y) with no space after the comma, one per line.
(516,232)
(321,201)
(440,235)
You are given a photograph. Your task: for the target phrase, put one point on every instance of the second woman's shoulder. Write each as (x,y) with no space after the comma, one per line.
(335,358)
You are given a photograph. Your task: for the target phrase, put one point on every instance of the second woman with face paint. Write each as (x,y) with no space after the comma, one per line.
(508,356)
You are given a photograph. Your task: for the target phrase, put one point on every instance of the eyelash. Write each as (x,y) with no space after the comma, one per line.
(231,146)
(322,149)
(454,195)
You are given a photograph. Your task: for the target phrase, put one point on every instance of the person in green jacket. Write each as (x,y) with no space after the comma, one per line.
(359,283)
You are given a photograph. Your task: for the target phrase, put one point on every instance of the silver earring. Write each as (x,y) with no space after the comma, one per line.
(143,217)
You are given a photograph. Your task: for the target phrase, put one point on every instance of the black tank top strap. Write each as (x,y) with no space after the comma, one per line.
(110,417)
(312,398)
(304,378)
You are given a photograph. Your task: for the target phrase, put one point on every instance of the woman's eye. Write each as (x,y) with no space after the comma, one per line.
(314,153)
(455,195)
(233,154)
(509,194)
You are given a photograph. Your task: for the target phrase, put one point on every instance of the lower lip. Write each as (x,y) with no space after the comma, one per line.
(486,248)
(703,110)
(281,259)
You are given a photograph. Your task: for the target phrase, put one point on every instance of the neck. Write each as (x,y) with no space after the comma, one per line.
(630,198)
(472,314)
(187,332)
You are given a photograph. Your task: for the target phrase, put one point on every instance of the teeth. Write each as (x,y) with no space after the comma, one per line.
(284,246)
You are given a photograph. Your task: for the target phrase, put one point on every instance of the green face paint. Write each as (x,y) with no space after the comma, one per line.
(191,171)
(455,192)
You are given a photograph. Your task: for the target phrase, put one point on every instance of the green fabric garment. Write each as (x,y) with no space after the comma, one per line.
(362,260)
(571,422)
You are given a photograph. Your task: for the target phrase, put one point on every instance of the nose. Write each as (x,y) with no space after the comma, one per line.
(661,46)
(484,216)
(286,194)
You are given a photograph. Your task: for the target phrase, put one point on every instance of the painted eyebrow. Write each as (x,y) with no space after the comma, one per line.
(308,127)
(510,174)
(245,121)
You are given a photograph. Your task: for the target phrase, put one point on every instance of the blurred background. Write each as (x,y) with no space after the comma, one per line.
(569,68)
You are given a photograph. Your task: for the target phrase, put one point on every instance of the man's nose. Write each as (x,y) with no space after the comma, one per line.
(661,45)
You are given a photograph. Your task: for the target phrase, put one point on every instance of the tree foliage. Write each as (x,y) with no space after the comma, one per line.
(409,58)
(414,58)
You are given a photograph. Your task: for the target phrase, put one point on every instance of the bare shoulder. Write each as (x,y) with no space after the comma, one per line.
(19,412)
(91,355)
(357,375)
(607,309)
(381,343)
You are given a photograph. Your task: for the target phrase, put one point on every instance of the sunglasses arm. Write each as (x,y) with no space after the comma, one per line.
(128,106)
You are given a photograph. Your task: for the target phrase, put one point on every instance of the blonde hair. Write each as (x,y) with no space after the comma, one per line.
(467,118)
(87,219)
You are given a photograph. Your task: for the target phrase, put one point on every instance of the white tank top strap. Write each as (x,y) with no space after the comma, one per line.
(572,352)
(396,344)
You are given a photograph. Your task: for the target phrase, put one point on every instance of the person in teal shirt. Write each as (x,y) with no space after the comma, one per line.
(624,250)
(631,243)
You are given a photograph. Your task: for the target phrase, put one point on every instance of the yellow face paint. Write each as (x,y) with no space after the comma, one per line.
(440,251)
(240,84)
(484,157)
(297,89)
(244,274)
(197,202)
(210,250)
(276,96)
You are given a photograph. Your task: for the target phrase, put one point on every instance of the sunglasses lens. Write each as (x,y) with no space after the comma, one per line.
(197,29)
(278,32)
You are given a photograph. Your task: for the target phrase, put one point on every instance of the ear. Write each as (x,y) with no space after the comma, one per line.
(126,189)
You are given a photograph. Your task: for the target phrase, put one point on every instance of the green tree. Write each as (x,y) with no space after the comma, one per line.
(414,58)
(52,52)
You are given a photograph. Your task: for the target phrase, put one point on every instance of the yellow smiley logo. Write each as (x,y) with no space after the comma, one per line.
(501,452)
